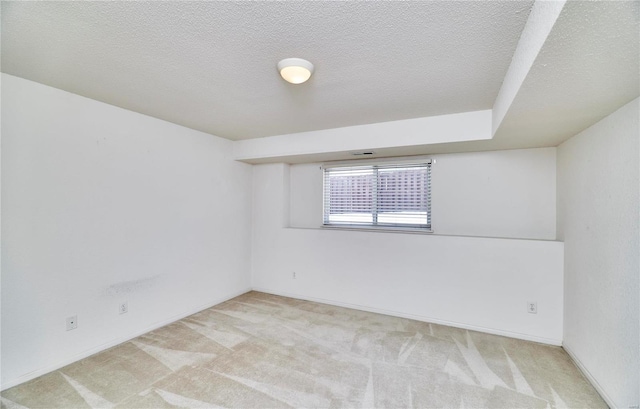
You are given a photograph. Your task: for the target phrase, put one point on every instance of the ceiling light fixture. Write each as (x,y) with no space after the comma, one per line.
(295,70)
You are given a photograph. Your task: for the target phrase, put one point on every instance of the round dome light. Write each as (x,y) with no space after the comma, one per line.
(295,70)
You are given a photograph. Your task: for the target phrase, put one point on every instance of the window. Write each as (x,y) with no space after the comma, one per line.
(396,195)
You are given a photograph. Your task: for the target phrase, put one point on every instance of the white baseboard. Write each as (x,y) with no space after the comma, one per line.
(589,376)
(526,337)
(39,372)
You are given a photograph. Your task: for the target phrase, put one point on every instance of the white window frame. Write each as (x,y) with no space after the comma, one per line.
(374,225)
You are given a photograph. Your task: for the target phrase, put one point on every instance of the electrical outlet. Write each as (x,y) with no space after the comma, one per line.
(294,275)
(123,308)
(72,323)
(532,307)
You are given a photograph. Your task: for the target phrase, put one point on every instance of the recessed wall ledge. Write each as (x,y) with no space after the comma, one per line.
(416,231)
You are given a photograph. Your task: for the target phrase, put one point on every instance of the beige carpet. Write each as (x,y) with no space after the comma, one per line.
(264,351)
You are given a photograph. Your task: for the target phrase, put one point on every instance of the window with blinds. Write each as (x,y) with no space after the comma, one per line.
(378,195)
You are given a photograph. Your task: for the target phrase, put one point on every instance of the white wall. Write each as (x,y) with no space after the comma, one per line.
(102,205)
(598,219)
(491,194)
(472,282)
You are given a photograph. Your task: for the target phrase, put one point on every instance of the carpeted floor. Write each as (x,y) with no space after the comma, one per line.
(265,351)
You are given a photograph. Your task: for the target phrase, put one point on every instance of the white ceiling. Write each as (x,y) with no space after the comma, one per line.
(575,63)
(588,67)
(211,66)
(547,70)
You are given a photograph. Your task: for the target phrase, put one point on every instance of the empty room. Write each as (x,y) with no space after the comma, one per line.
(320,204)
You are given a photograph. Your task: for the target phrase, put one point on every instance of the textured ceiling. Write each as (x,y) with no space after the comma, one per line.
(588,67)
(583,65)
(211,66)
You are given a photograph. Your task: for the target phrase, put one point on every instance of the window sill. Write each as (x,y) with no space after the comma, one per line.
(380,229)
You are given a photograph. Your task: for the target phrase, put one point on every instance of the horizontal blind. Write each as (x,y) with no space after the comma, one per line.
(394,195)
